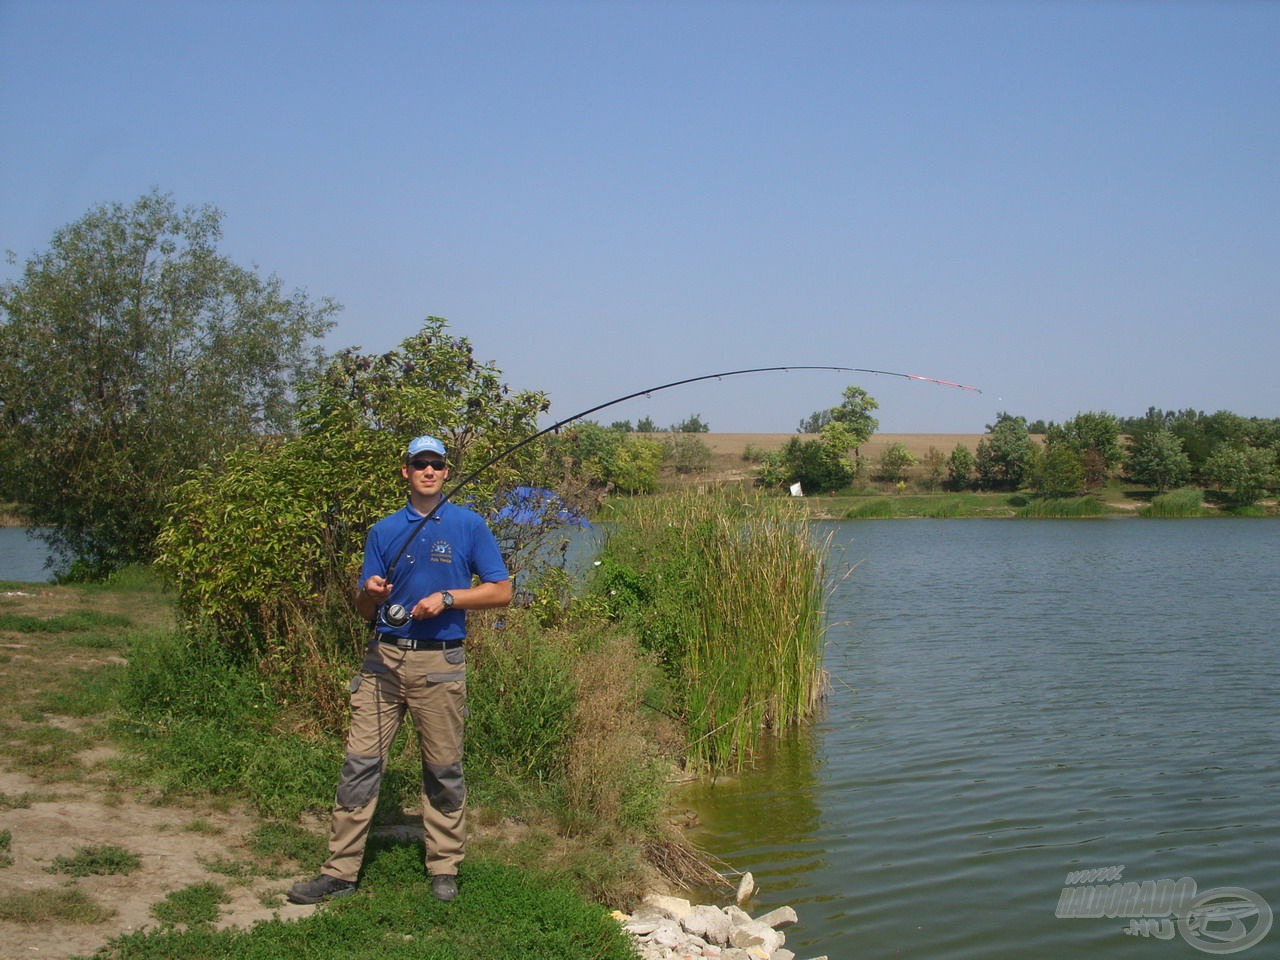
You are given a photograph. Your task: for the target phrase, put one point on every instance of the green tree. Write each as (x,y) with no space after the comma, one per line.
(608,458)
(691,424)
(1156,459)
(686,453)
(1056,470)
(1243,473)
(819,466)
(855,415)
(935,468)
(815,421)
(894,463)
(646,425)
(1095,439)
(1005,453)
(130,352)
(960,467)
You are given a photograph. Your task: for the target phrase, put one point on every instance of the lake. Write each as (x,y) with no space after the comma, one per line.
(21,558)
(1011,702)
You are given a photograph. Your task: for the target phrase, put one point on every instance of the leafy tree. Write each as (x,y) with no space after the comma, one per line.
(817,465)
(1056,470)
(895,461)
(935,467)
(130,352)
(855,415)
(608,458)
(646,425)
(815,421)
(686,453)
(1095,439)
(1243,473)
(691,424)
(1156,459)
(623,425)
(265,546)
(1004,454)
(960,467)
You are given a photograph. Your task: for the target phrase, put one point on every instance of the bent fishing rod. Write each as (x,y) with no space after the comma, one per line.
(470,477)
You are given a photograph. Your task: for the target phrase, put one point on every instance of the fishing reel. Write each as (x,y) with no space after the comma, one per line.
(394,615)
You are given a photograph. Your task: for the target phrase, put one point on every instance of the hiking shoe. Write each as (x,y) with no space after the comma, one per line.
(444,886)
(323,887)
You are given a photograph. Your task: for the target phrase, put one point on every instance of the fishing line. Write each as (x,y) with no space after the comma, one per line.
(470,477)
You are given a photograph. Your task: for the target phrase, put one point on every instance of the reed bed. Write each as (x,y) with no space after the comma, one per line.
(727,589)
(1055,507)
(1187,502)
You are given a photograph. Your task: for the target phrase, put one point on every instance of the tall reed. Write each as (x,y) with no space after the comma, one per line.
(1055,507)
(1186,502)
(727,589)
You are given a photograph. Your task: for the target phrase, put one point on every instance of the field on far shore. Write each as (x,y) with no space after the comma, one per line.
(727,449)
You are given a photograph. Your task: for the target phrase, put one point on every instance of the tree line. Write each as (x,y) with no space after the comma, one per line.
(140,368)
(1162,449)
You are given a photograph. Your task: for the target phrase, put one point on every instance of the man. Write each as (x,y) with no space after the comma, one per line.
(413,663)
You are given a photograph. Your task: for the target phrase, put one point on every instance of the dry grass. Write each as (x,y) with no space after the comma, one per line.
(727,449)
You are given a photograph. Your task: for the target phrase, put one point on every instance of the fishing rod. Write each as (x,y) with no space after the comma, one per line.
(470,477)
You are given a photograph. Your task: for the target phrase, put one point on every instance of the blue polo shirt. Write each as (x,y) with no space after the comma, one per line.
(443,554)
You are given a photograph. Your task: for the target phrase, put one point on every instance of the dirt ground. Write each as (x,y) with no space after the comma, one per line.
(174,844)
(55,810)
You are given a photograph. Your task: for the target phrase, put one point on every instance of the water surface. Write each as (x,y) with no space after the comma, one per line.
(1012,701)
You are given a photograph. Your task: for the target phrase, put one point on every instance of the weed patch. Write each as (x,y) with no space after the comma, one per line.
(54,905)
(106,860)
(78,622)
(191,906)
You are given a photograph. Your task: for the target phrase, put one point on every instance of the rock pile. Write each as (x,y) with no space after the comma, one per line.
(671,928)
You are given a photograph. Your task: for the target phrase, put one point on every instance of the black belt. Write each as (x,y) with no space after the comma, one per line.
(409,643)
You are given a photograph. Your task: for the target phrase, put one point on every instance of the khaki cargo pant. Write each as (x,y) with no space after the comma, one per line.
(430,685)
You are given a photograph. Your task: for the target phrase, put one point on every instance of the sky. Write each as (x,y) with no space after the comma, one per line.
(1074,206)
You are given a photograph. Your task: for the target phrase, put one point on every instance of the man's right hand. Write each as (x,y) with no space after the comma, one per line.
(377,589)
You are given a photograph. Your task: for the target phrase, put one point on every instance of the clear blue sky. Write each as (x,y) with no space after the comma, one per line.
(1073,205)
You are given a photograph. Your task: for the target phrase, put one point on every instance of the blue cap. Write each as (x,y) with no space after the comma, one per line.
(424,445)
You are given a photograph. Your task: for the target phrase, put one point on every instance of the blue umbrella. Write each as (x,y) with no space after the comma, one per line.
(535,505)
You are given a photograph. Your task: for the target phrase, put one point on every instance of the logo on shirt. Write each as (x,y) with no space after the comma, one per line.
(441,552)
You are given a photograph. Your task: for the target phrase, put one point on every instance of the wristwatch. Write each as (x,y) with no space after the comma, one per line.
(447,599)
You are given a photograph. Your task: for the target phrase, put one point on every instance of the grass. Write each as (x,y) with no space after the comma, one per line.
(52,905)
(199,903)
(6,845)
(105,860)
(78,622)
(502,912)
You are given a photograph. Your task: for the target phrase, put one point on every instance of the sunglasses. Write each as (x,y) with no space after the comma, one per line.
(436,465)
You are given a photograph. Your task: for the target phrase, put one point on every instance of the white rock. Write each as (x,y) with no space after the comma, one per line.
(779,919)
(782,954)
(746,887)
(755,934)
(736,916)
(709,923)
(672,907)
